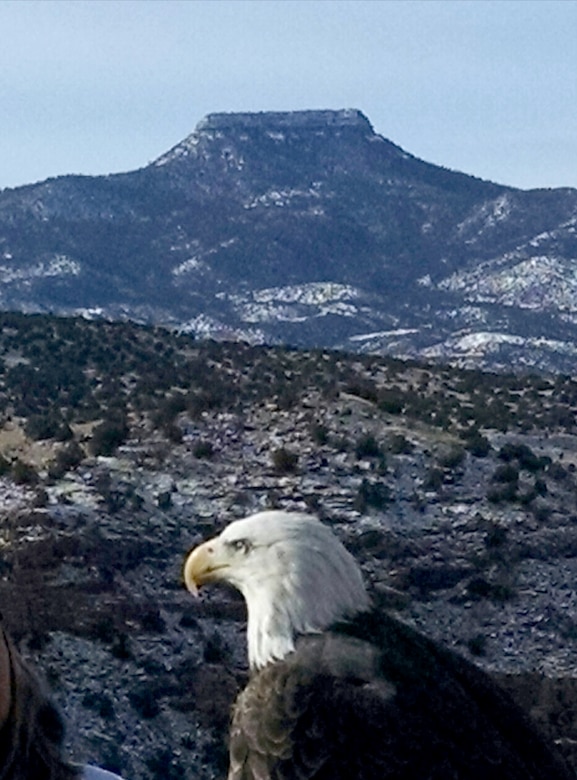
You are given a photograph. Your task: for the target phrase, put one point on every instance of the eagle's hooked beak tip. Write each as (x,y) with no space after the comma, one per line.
(189,575)
(198,568)
(192,588)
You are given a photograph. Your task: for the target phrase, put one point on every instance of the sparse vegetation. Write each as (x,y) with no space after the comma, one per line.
(506,474)
(368,447)
(452,458)
(400,445)
(320,434)
(67,458)
(109,435)
(145,701)
(203,450)
(372,495)
(24,473)
(416,449)
(72,371)
(284,461)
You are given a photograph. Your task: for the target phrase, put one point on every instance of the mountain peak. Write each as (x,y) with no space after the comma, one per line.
(274,126)
(304,227)
(345,117)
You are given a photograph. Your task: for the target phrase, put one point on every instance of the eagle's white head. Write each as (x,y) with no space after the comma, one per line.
(295,575)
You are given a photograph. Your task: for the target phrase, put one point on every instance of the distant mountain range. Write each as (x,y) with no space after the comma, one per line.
(305,228)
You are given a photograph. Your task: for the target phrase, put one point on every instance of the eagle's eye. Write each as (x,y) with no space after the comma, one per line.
(240,545)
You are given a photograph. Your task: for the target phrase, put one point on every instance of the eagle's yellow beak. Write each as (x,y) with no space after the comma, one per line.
(203,565)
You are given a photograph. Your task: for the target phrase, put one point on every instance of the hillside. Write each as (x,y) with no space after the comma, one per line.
(306,229)
(123,445)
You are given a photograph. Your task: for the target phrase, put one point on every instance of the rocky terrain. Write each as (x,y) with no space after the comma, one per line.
(308,229)
(123,446)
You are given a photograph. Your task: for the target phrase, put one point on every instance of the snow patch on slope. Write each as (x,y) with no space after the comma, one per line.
(540,282)
(287,197)
(481,343)
(206,327)
(59,265)
(295,303)
(197,263)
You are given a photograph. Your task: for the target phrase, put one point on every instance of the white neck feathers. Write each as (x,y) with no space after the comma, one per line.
(306,581)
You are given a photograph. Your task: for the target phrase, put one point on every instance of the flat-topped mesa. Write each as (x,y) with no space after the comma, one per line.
(345,117)
(244,128)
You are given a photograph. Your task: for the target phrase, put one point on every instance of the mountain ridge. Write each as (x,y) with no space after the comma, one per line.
(305,228)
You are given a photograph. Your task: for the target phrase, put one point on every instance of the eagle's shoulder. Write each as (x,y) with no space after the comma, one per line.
(372,698)
(286,722)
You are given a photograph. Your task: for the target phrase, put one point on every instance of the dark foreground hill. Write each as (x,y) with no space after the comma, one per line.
(123,445)
(308,229)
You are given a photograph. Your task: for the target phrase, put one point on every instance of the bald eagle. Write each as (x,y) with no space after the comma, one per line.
(341,691)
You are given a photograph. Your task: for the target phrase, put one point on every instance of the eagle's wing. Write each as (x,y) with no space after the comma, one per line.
(297,718)
(275,731)
(332,710)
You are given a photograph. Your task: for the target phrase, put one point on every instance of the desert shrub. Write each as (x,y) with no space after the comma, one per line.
(320,434)
(434,479)
(506,473)
(67,458)
(540,487)
(203,450)
(121,647)
(109,435)
(71,455)
(452,458)
(363,388)
(391,401)
(480,588)
(313,503)
(374,495)
(523,454)
(503,492)
(287,398)
(496,536)
(368,447)
(501,593)
(145,701)
(5,466)
(24,473)
(164,499)
(196,403)
(137,501)
(173,433)
(169,409)
(478,445)
(47,426)
(284,461)
(400,445)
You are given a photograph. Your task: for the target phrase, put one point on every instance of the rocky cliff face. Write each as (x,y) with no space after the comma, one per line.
(306,228)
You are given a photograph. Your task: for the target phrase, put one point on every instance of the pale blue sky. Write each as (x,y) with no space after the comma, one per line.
(488,87)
